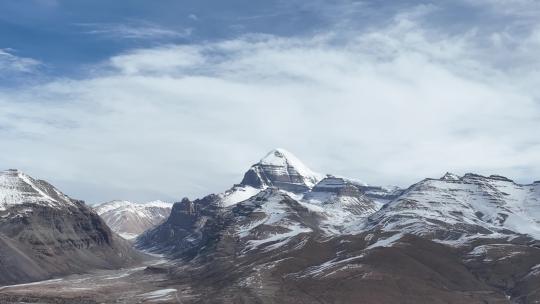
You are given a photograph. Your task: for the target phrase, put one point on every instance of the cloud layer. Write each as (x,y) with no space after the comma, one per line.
(388,105)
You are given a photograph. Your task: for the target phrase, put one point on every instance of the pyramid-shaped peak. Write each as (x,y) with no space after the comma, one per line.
(283,158)
(280,168)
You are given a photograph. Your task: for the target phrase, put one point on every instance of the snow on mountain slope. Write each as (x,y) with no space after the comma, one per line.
(270,220)
(236,194)
(18,188)
(341,202)
(450,208)
(340,192)
(130,219)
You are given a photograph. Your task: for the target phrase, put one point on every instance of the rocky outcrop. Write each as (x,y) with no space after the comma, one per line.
(190,226)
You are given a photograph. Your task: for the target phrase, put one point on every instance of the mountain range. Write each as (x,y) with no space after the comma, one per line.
(287,234)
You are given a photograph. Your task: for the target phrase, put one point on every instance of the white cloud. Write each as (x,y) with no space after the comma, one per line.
(389,105)
(519,8)
(15,64)
(171,59)
(135,30)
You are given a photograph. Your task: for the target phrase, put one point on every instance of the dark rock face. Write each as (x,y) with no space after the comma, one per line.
(269,175)
(191,226)
(53,235)
(255,178)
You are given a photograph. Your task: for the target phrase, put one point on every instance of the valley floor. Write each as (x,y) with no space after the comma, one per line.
(145,283)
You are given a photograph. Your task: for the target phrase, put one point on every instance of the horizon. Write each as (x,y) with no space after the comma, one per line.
(143,101)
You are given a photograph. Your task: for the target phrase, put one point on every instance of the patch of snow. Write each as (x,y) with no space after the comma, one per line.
(280,238)
(128,236)
(388,242)
(238,194)
(319,270)
(33,283)
(534,271)
(162,294)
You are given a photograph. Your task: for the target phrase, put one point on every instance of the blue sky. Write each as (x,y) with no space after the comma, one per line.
(149,100)
(66,35)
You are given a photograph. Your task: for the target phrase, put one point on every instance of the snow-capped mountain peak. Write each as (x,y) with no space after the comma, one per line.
(448,176)
(16,187)
(281,169)
(282,158)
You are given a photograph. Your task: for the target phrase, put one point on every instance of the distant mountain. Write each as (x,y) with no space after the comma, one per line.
(130,219)
(44,233)
(288,235)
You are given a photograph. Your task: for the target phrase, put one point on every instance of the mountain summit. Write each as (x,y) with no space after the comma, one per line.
(281,169)
(16,188)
